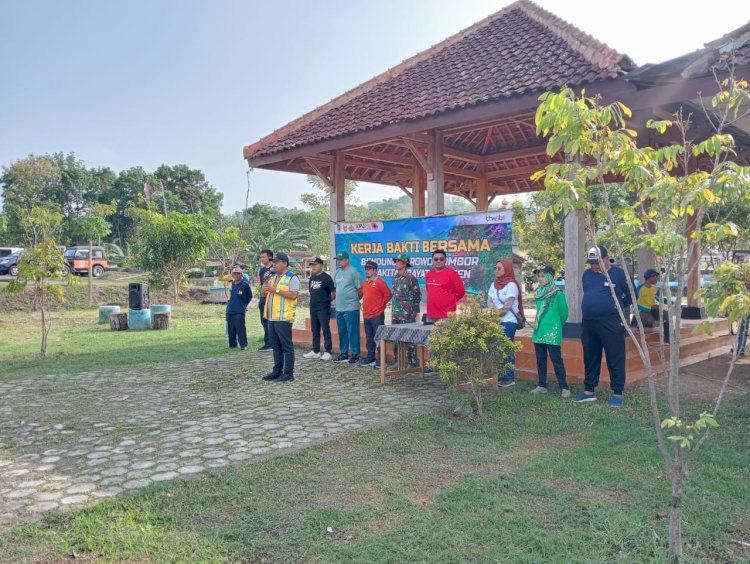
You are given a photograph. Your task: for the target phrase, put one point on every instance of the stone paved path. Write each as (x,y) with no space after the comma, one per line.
(67,441)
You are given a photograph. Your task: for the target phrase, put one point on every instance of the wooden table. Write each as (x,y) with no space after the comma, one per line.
(403,334)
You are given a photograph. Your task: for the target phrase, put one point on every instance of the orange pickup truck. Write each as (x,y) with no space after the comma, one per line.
(77,261)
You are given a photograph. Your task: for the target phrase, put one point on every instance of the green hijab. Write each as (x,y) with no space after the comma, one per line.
(545,293)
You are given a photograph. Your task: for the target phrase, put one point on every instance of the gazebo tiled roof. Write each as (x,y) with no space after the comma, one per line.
(520,50)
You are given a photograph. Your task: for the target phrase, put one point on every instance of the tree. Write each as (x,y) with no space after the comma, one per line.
(93,226)
(468,347)
(667,195)
(26,184)
(168,245)
(187,191)
(39,264)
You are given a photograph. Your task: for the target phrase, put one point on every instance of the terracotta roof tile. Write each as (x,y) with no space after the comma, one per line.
(519,50)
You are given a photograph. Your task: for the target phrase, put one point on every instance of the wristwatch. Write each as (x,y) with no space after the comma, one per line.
(278,291)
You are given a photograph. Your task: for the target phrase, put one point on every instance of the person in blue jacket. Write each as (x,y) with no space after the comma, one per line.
(601,326)
(240,295)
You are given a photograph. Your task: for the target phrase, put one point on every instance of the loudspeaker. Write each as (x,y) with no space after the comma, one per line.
(138,295)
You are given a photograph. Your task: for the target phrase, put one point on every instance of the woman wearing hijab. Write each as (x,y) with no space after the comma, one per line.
(551,315)
(504,293)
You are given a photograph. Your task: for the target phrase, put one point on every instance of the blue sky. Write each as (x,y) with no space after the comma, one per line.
(133,83)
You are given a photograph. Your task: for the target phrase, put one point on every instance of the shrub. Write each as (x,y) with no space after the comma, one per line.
(469,348)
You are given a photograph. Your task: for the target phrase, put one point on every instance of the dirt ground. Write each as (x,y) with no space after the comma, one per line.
(704,379)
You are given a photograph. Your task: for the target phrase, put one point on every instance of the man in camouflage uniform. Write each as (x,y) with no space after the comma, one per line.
(405,301)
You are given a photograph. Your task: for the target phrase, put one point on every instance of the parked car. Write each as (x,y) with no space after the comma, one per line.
(9,263)
(7,251)
(77,261)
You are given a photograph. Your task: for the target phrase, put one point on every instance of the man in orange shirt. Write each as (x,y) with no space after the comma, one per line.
(375,296)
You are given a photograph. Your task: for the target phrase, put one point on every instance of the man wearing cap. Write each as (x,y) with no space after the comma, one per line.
(375,296)
(649,309)
(281,291)
(240,295)
(348,284)
(444,288)
(601,327)
(405,303)
(322,291)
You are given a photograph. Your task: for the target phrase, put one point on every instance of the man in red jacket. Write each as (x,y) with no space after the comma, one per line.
(375,296)
(444,288)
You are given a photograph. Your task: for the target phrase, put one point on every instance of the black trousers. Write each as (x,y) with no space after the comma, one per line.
(280,333)
(321,320)
(608,334)
(236,329)
(264,322)
(371,327)
(555,354)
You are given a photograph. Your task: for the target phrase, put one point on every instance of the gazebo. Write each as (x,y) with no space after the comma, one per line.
(458,118)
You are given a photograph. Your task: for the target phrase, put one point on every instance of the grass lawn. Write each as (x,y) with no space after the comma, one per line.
(77,343)
(536,479)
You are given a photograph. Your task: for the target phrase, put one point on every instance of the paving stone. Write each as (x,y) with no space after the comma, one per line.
(155,427)
(29,484)
(164,476)
(143,464)
(81,488)
(135,484)
(43,506)
(190,469)
(74,499)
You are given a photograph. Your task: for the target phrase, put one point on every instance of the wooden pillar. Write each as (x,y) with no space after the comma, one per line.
(575,253)
(483,200)
(435,176)
(417,192)
(338,204)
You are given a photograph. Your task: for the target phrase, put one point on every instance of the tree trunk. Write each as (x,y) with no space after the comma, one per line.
(160,320)
(118,322)
(675,514)
(45,332)
(91,270)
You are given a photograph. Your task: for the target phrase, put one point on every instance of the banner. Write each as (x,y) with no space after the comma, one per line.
(473,242)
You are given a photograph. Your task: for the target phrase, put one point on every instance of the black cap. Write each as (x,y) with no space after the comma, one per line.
(317,260)
(371,264)
(283,257)
(549,269)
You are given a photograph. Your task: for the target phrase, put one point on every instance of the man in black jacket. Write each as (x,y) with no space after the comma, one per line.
(239,297)
(601,327)
(265,272)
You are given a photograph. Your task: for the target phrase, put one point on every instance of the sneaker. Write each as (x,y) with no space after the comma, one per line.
(271,377)
(367,362)
(616,401)
(265,348)
(326,356)
(243,348)
(582,398)
(565,393)
(506,383)
(311,354)
(392,367)
(354,359)
(341,358)
(539,390)
(285,378)
(376,365)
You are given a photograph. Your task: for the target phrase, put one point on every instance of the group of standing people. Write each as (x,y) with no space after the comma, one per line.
(602,331)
